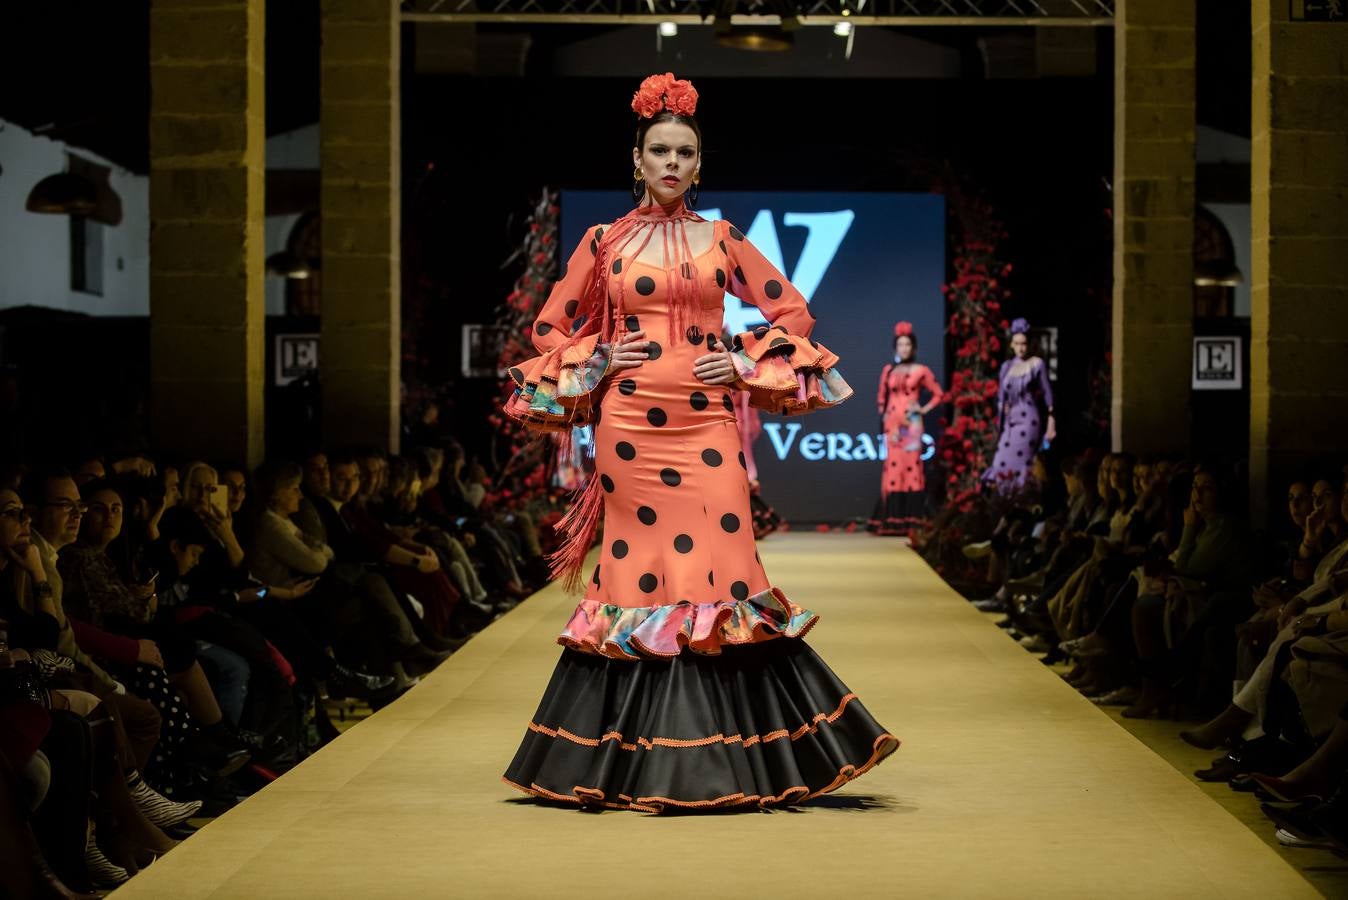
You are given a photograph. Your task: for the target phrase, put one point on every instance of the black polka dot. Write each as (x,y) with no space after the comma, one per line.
(739,590)
(631,323)
(727,403)
(683,543)
(620,549)
(656,416)
(580,322)
(778,341)
(626,451)
(606,482)
(720,278)
(627,387)
(710,580)
(670,477)
(739,275)
(736,233)
(617,266)
(646,515)
(599,234)
(698,400)
(760,332)
(773,289)
(723,249)
(571,307)
(711,342)
(730,523)
(648,583)
(711,457)
(645,285)
(516,374)
(694,334)
(653,350)
(594,248)
(543,328)
(743,465)
(596,576)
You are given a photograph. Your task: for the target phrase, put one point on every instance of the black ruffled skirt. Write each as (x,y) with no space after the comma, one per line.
(758,725)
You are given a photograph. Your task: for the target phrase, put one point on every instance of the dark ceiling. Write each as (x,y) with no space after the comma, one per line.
(79,69)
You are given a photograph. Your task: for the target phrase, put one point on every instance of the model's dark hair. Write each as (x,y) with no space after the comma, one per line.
(664,115)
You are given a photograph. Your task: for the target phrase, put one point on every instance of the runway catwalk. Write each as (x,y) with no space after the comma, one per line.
(1008,783)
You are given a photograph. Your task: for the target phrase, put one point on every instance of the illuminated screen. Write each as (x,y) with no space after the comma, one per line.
(864,262)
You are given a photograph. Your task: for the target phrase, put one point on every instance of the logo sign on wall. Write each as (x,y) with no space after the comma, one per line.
(1217,363)
(863,262)
(296,357)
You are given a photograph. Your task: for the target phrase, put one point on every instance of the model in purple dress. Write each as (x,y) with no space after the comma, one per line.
(1024,414)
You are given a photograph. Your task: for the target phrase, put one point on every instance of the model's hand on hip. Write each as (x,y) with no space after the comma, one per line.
(715,368)
(629,352)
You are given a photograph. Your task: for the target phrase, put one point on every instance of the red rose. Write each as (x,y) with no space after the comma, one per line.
(649,98)
(681,98)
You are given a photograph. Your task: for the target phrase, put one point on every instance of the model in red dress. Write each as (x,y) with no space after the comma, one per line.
(902,506)
(684,681)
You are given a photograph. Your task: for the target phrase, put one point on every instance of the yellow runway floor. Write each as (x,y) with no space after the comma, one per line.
(1008,784)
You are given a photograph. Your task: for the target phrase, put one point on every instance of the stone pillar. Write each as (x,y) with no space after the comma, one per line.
(1153,224)
(1299,218)
(207,166)
(361,208)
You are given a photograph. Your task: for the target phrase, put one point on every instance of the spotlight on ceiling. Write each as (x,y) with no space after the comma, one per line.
(764,36)
(669,29)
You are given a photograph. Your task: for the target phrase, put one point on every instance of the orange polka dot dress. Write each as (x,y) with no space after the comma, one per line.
(684,681)
(902,506)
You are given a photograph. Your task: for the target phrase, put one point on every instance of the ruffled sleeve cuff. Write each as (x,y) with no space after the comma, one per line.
(786,374)
(557,390)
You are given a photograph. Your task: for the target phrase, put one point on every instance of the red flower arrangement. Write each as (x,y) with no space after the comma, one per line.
(661,92)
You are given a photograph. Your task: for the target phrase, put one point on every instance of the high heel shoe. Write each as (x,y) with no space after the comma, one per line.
(103,872)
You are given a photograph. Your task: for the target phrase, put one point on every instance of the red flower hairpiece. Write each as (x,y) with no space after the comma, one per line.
(903,329)
(661,92)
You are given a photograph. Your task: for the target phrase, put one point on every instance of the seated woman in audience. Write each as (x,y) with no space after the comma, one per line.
(1325,526)
(1258,631)
(25,778)
(411,569)
(139,810)
(1308,612)
(400,514)
(92,583)
(1071,607)
(1208,569)
(252,680)
(333,610)
(145,698)
(505,564)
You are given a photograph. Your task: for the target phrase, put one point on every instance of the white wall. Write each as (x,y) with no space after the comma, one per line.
(35,247)
(1236,218)
(296,149)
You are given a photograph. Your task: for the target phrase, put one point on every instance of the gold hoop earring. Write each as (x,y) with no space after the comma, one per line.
(636,176)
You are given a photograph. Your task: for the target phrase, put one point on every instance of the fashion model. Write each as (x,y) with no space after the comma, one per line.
(1024,414)
(684,682)
(903,485)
